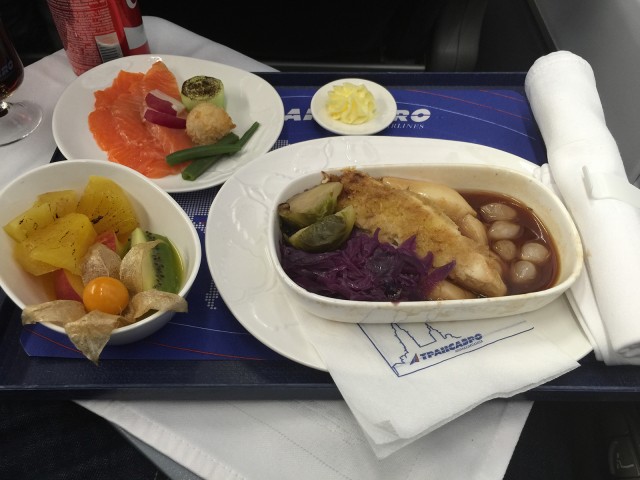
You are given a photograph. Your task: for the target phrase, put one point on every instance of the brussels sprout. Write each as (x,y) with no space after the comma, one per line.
(326,234)
(309,206)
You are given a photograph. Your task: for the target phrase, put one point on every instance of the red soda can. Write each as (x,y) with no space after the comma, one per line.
(96,31)
(128,22)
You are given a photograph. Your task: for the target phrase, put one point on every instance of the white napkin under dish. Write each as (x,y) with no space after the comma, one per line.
(402,381)
(561,89)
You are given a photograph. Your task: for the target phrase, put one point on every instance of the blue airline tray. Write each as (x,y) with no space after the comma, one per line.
(489,109)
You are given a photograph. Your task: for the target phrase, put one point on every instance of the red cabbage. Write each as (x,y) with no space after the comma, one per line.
(365,269)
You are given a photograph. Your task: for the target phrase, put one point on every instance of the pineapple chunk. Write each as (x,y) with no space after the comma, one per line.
(22,254)
(108,207)
(61,244)
(64,201)
(45,210)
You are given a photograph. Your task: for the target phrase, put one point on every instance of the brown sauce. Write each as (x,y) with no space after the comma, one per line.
(533,230)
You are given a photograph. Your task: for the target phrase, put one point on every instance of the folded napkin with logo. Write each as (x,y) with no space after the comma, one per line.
(402,381)
(587,170)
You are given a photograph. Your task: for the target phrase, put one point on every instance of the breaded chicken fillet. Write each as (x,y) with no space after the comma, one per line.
(401,214)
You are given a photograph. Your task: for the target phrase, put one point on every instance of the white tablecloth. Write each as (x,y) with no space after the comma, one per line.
(268,439)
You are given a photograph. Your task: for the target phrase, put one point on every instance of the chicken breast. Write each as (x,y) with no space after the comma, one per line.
(401,214)
(449,200)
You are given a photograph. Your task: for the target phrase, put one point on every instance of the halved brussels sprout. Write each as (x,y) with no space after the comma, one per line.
(326,234)
(309,206)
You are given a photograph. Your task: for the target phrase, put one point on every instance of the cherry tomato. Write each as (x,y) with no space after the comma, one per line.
(109,295)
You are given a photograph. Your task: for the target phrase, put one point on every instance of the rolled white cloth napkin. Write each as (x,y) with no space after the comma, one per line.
(403,381)
(561,89)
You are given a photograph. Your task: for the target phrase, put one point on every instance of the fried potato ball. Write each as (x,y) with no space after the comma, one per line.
(207,123)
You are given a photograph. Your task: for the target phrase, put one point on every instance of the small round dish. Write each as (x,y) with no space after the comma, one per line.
(386,109)
(157,211)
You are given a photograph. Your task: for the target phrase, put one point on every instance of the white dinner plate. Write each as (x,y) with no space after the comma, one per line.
(249,99)
(236,234)
(386,109)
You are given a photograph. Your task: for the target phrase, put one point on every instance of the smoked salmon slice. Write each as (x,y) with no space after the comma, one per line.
(119,129)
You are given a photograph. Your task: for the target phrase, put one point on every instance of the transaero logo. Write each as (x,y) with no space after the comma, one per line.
(404,118)
(459,344)
(410,347)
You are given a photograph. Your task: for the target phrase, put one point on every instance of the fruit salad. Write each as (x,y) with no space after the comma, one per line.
(101,269)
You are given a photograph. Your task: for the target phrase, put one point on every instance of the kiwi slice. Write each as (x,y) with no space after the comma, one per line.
(162,267)
(202,88)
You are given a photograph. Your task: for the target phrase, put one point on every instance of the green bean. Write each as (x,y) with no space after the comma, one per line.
(201,165)
(227,144)
(248,134)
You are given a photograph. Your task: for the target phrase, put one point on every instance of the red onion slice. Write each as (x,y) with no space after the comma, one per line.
(164,119)
(160,101)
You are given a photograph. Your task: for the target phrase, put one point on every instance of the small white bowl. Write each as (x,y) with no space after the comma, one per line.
(386,109)
(525,188)
(157,212)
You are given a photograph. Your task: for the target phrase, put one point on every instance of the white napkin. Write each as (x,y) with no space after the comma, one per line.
(403,381)
(313,440)
(561,88)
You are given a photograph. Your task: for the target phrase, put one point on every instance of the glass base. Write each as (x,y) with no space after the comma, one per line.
(18,121)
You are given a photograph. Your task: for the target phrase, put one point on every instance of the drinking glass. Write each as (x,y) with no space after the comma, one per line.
(17,119)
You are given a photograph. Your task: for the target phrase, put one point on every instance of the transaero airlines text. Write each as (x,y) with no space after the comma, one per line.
(404,118)
(460,344)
